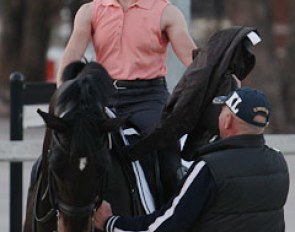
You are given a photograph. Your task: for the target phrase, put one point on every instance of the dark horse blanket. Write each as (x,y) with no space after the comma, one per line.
(189,110)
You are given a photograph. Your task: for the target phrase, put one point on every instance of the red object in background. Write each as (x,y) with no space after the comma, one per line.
(50,71)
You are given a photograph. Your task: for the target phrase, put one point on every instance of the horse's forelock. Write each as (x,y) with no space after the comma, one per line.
(82,102)
(84,139)
(87,138)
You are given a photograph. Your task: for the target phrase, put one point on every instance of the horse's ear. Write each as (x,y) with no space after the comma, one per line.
(111,124)
(53,122)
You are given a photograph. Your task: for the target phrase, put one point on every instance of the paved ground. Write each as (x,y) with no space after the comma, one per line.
(36,133)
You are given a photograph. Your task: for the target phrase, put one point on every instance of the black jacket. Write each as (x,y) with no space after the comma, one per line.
(252,186)
(189,110)
(238,185)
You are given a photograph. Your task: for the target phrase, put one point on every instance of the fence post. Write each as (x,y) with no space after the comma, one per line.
(16,168)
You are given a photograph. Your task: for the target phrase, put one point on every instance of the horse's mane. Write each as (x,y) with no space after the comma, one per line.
(81,100)
(87,85)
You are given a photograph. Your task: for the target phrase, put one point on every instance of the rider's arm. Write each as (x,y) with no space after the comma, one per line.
(79,39)
(173,24)
(180,213)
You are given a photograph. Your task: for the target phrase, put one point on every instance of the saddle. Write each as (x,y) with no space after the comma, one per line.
(149,186)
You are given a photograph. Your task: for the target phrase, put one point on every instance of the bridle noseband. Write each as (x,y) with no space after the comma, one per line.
(69,210)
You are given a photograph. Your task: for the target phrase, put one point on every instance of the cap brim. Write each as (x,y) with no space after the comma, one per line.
(220,100)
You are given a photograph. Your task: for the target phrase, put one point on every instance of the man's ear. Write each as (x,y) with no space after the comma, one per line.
(53,122)
(228,120)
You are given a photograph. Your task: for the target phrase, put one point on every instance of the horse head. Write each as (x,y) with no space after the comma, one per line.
(78,159)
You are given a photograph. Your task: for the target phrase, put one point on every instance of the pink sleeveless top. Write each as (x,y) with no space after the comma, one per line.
(129,44)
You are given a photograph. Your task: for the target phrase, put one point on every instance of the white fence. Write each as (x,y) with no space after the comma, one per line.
(28,150)
(12,151)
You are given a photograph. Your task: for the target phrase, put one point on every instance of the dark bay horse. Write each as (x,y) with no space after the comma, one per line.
(79,167)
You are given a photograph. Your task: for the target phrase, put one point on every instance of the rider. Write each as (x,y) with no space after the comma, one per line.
(130,39)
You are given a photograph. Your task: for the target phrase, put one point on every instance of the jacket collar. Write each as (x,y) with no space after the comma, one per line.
(235,142)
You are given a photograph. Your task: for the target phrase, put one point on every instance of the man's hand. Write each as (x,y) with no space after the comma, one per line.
(102,214)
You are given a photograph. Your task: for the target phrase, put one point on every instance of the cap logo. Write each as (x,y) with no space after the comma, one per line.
(233,102)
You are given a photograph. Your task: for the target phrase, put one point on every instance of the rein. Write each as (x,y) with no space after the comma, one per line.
(49,214)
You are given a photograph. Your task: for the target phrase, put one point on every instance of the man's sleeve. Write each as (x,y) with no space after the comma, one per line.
(180,213)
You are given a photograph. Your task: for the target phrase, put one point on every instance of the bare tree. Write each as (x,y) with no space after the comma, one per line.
(266,75)
(26,26)
(11,37)
(37,26)
(288,77)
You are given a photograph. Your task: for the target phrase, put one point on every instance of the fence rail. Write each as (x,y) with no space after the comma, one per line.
(283,142)
(20,151)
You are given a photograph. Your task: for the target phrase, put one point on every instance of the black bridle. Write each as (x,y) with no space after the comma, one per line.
(58,205)
(69,210)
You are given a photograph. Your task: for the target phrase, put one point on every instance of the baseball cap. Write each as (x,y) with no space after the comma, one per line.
(247,103)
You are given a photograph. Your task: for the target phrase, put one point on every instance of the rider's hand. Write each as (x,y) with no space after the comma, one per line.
(102,214)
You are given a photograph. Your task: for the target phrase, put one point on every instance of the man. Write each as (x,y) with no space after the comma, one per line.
(238,185)
(130,38)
